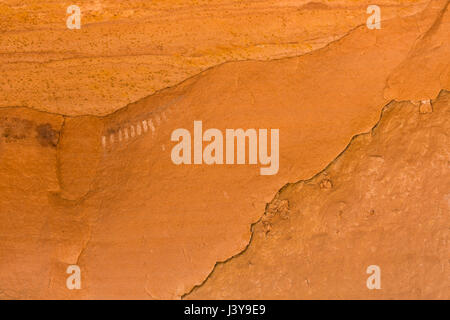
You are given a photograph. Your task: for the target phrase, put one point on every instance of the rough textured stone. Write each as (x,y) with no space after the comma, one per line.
(126,50)
(75,190)
(388,206)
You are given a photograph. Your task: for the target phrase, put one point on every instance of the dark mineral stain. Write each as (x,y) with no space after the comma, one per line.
(112,131)
(46,136)
(14,128)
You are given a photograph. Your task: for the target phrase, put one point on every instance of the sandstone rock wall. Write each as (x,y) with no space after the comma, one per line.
(86,176)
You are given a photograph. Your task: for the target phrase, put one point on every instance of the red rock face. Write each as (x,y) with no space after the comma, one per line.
(384,201)
(102,192)
(126,51)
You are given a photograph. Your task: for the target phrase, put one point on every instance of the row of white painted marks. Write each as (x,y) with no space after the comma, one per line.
(132,131)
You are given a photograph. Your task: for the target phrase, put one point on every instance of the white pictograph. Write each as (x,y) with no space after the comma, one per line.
(140,128)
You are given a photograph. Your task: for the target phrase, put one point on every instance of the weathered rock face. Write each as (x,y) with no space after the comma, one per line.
(385,201)
(126,50)
(427,69)
(101,191)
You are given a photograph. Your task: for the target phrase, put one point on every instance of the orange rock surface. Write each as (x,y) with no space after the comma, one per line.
(385,201)
(126,50)
(75,190)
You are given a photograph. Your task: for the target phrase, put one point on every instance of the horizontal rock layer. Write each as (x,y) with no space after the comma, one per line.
(101,191)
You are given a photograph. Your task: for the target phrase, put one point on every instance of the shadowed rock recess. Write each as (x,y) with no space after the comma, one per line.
(101,191)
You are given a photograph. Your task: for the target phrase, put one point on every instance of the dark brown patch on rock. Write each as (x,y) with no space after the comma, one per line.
(14,128)
(46,136)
